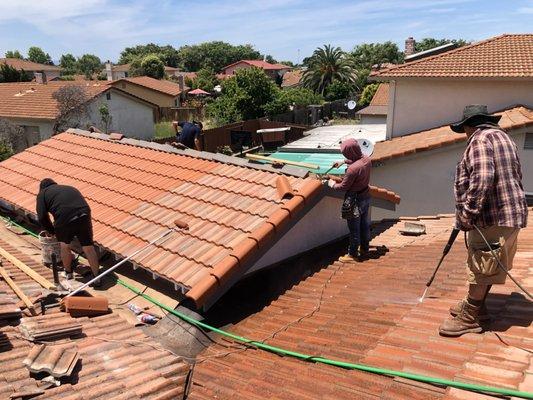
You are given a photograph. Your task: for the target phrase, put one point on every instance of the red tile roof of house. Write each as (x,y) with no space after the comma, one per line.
(159,85)
(369,313)
(136,192)
(291,78)
(379,103)
(512,119)
(504,56)
(117,360)
(26,65)
(33,100)
(259,64)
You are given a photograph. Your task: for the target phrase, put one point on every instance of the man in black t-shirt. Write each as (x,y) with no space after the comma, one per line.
(190,134)
(72,218)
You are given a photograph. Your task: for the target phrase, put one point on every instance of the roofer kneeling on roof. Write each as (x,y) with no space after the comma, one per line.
(72,218)
(489,195)
(356,199)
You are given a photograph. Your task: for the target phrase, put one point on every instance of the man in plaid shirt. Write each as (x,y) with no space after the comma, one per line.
(490,196)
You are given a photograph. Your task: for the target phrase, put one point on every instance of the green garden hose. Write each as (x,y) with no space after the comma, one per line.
(321,360)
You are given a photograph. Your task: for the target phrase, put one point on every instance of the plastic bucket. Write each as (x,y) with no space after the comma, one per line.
(49,246)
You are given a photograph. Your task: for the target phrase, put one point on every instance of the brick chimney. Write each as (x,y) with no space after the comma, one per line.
(409,46)
(109,70)
(181,82)
(40,78)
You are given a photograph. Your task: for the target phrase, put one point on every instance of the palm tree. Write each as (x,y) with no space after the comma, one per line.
(328,64)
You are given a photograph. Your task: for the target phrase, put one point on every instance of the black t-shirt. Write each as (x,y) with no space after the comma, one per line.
(63,202)
(189,132)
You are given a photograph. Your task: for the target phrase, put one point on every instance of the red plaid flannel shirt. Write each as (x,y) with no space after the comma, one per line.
(488,182)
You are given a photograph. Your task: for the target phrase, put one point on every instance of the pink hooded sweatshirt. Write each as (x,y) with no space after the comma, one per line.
(358,171)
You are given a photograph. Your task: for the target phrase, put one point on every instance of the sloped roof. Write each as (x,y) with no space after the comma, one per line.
(292,78)
(259,64)
(512,118)
(28,65)
(504,56)
(117,360)
(369,313)
(159,85)
(379,103)
(136,192)
(34,100)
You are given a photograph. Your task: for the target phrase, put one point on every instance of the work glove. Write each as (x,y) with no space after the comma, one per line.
(463,223)
(331,183)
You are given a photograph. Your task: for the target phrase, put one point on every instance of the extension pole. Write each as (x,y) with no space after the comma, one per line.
(178,225)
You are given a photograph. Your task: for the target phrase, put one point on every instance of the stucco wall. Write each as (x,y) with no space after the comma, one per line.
(158,98)
(373,119)
(45,129)
(422,104)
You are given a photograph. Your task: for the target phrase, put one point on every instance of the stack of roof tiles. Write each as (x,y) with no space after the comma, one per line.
(49,327)
(136,193)
(369,313)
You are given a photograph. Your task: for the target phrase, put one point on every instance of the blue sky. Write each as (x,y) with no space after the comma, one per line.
(277,27)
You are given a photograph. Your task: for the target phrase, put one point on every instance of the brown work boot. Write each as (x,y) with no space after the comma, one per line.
(483,312)
(348,258)
(467,321)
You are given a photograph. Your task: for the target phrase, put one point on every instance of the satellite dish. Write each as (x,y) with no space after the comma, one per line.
(367,147)
(351,105)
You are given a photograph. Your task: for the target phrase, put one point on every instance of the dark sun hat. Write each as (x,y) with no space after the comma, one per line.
(474,112)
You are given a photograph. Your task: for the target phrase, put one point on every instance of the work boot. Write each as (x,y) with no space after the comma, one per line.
(348,258)
(467,321)
(67,275)
(483,312)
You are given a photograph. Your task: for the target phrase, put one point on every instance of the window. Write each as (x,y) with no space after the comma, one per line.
(108,95)
(528,143)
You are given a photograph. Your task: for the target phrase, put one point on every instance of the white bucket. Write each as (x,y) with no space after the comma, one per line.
(49,246)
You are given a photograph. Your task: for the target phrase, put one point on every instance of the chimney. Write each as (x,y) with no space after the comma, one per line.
(40,78)
(109,70)
(181,82)
(409,46)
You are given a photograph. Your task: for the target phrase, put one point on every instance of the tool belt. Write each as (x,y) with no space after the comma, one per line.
(483,258)
(350,207)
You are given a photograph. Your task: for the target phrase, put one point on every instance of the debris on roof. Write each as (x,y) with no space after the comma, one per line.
(50,327)
(56,360)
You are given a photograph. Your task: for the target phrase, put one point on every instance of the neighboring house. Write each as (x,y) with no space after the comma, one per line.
(120,71)
(275,71)
(376,111)
(241,216)
(42,72)
(291,79)
(161,92)
(432,91)
(32,106)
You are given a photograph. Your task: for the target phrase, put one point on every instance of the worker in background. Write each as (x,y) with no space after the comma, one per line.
(72,218)
(356,200)
(488,194)
(190,133)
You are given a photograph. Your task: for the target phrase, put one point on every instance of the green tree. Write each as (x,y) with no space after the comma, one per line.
(206,79)
(368,93)
(68,64)
(326,65)
(296,97)
(168,54)
(89,64)
(37,55)
(368,54)
(215,55)
(14,54)
(105,117)
(153,66)
(288,63)
(11,138)
(430,43)
(244,96)
(270,59)
(11,74)
(339,90)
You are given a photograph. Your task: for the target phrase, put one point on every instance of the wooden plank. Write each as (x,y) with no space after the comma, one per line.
(281,161)
(17,290)
(27,270)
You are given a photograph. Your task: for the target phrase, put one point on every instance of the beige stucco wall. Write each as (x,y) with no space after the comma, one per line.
(44,127)
(373,119)
(422,104)
(153,96)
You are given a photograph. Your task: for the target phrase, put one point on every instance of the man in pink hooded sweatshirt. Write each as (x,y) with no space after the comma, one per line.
(355,181)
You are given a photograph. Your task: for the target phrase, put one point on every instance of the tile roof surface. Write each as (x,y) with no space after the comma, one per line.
(291,78)
(28,65)
(117,360)
(259,64)
(369,313)
(373,110)
(160,85)
(504,56)
(513,118)
(33,100)
(136,193)
(381,97)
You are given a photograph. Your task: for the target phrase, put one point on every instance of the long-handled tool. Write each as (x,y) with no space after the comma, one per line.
(446,250)
(178,225)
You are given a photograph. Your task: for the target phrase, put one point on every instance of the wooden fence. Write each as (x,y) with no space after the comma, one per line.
(311,114)
(180,114)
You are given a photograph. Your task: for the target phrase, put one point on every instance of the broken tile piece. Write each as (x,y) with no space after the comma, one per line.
(56,360)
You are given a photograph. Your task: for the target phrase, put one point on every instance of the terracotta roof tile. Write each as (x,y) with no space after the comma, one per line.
(512,118)
(136,192)
(381,97)
(292,78)
(369,313)
(505,56)
(160,85)
(259,64)
(28,65)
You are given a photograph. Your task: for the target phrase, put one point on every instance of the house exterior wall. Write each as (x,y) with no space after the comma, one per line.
(34,131)
(50,75)
(416,105)
(150,95)
(373,119)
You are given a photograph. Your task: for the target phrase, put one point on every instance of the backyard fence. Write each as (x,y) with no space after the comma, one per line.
(180,114)
(311,114)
